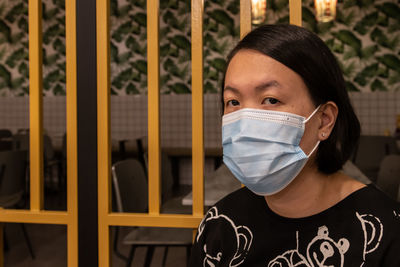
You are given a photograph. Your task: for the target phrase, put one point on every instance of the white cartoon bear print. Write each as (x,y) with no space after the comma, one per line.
(241,237)
(322,251)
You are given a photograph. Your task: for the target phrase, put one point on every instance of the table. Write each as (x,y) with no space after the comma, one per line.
(222,182)
(216,186)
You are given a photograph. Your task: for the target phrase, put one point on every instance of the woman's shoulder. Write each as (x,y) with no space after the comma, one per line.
(240,201)
(372,198)
(370,201)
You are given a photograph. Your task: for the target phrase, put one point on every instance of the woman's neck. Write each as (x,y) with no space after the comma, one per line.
(311,192)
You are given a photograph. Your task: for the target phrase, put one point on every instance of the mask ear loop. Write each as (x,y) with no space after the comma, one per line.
(309,117)
(312,114)
(312,151)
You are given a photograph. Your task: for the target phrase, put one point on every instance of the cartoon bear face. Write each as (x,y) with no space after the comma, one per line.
(235,250)
(323,251)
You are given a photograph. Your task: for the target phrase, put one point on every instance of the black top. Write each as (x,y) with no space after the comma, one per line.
(241,230)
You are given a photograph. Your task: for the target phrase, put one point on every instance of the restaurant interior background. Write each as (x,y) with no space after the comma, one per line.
(365,37)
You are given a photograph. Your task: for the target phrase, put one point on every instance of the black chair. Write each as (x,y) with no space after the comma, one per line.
(12,184)
(5,133)
(370,152)
(51,161)
(131,193)
(389,176)
(5,139)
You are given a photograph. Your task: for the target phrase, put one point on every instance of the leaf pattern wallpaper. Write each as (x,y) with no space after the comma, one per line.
(365,37)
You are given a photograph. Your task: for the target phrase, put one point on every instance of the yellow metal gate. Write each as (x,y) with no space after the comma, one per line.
(36,213)
(106,217)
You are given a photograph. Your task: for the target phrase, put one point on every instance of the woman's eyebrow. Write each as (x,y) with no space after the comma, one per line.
(234,90)
(261,87)
(267,85)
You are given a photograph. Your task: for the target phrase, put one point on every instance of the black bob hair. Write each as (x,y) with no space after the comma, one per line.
(306,54)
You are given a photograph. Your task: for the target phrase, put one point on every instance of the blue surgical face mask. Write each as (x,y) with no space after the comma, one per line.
(261,148)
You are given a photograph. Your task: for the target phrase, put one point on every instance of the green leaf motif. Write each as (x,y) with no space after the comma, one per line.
(351,87)
(394,79)
(390,61)
(179,88)
(309,17)
(60,4)
(141,66)
(140,18)
(15,57)
(23,24)
(182,43)
(58,90)
(48,14)
(369,51)
(53,31)
(5,30)
(23,69)
(209,88)
(343,18)
(221,17)
(16,11)
(5,75)
(59,46)
(122,77)
(53,77)
(164,50)
(17,82)
(377,85)
(50,59)
(367,21)
(122,31)
(218,64)
(277,5)
(131,89)
(390,9)
(233,7)
(347,37)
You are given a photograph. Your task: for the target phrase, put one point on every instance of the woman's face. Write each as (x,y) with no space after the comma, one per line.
(254,80)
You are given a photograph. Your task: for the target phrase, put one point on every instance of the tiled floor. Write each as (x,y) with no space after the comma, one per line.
(50,247)
(49,243)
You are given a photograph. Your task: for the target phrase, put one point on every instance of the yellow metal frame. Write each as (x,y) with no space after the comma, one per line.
(153,218)
(36,214)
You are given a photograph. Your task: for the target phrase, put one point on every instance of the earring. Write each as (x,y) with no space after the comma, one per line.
(323,134)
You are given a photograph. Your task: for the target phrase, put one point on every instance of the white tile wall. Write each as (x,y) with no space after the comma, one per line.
(377,113)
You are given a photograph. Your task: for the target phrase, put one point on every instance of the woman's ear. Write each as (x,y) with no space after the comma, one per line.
(328,118)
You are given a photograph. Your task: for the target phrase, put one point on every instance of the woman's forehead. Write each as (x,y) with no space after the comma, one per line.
(251,69)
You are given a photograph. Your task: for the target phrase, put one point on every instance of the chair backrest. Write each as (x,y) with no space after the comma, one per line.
(389,175)
(5,133)
(48,147)
(14,163)
(130,186)
(167,178)
(370,152)
(21,141)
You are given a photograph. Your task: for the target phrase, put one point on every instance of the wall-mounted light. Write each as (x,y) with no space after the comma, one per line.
(326,10)
(258,11)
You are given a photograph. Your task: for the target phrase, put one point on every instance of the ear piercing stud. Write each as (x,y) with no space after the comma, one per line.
(323,134)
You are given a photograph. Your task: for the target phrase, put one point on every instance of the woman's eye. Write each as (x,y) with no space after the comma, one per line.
(232,102)
(270,101)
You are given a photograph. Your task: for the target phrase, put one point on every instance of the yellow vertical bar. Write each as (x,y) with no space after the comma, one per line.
(72,144)
(35,104)
(103,128)
(1,245)
(245,17)
(197,108)
(153,94)
(295,12)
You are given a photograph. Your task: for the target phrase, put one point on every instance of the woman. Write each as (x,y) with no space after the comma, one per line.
(288,128)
